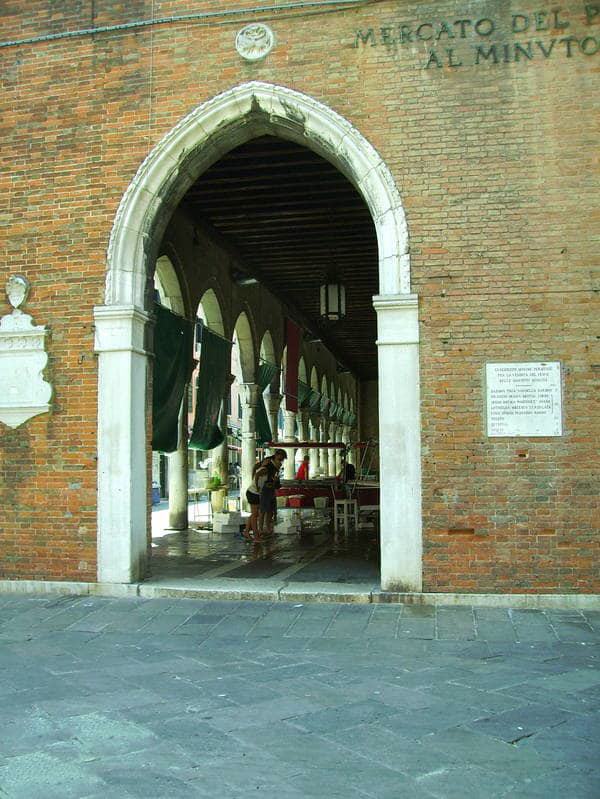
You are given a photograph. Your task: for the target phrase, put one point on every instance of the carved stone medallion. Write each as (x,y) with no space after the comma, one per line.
(254,41)
(17,289)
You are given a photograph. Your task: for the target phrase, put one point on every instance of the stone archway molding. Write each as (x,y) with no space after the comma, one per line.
(214,128)
(198,140)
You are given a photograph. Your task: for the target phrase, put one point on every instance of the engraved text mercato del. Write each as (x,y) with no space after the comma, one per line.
(472,42)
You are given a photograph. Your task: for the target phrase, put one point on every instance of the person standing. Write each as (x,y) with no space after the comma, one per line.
(251,530)
(267,478)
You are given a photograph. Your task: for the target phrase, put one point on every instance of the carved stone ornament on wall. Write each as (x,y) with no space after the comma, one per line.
(254,41)
(23,391)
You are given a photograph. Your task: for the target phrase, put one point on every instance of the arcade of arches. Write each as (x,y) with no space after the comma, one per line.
(245,252)
(273,196)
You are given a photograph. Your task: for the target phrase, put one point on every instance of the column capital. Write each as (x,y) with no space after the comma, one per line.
(228,383)
(397,319)
(121,328)
(303,414)
(273,401)
(250,393)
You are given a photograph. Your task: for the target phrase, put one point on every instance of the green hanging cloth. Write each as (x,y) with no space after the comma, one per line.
(314,401)
(215,366)
(264,377)
(173,364)
(303,394)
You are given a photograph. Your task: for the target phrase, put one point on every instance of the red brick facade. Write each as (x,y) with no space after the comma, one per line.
(489,125)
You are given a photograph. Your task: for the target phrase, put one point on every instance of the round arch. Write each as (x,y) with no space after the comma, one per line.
(211,308)
(243,331)
(302,369)
(314,379)
(168,286)
(178,159)
(267,348)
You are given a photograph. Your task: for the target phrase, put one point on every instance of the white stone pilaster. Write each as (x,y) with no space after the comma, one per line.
(399,442)
(122,479)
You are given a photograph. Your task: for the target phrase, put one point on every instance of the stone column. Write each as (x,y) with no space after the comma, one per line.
(249,396)
(220,460)
(399,442)
(331,452)
(289,433)
(315,435)
(122,469)
(303,432)
(339,452)
(323,429)
(178,473)
(273,402)
(351,438)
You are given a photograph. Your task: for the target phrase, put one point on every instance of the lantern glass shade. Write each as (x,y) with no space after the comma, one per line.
(333,301)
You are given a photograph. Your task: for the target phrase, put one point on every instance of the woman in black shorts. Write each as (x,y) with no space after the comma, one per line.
(267,480)
(251,530)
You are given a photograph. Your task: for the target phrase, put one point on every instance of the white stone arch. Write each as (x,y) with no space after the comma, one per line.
(245,339)
(302,369)
(332,392)
(267,353)
(198,140)
(267,348)
(217,126)
(168,286)
(211,311)
(314,379)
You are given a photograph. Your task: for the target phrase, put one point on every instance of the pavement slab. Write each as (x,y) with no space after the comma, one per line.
(186,697)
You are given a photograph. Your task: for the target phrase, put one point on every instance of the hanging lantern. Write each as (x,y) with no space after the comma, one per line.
(333,301)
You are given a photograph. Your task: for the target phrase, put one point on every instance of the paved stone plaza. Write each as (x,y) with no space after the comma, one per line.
(170,698)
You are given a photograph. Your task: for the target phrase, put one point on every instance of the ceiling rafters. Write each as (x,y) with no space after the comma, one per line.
(292,218)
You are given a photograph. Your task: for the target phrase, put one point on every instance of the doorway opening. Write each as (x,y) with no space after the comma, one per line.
(237,146)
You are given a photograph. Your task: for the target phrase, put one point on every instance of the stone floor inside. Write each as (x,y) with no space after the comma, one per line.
(315,555)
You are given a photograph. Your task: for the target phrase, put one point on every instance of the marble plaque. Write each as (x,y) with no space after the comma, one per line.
(523,399)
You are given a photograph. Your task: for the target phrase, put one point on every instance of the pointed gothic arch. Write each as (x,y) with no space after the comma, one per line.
(198,140)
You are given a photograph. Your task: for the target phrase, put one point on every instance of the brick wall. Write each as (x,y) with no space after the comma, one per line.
(494,152)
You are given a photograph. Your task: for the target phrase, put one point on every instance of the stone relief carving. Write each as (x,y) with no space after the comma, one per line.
(17,290)
(23,391)
(254,41)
